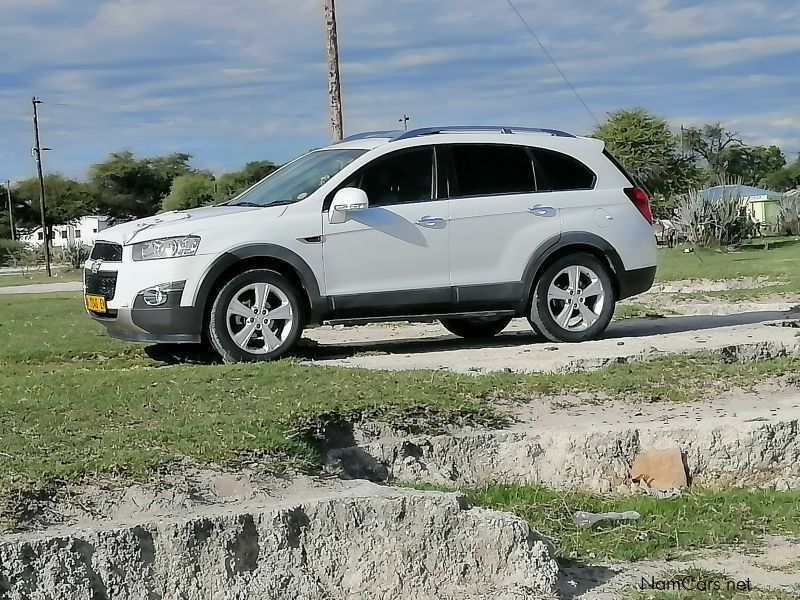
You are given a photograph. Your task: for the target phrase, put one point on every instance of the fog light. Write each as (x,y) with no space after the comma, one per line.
(158,295)
(154,297)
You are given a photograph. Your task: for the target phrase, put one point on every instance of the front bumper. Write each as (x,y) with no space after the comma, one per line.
(178,325)
(129,317)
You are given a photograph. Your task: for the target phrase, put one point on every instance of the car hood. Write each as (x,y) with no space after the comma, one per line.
(176,222)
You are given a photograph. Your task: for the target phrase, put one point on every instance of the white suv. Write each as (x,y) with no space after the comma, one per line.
(470,225)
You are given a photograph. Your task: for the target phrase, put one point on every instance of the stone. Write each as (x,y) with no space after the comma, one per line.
(716,452)
(377,544)
(660,469)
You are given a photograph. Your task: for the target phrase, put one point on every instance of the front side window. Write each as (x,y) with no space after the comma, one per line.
(298,179)
(398,178)
(559,172)
(64,235)
(483,170)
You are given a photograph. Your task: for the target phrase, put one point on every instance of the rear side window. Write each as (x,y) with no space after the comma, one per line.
(557,172)
(482,170)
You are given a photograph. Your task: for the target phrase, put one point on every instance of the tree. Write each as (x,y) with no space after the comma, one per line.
(644,144)
(785,179)
(754,164)
(134,187)
(190,191)
(714,145)
(67,200)
(230,184)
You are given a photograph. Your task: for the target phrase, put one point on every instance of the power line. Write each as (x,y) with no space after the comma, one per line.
(552,60)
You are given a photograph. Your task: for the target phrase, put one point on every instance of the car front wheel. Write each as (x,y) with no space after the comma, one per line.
(256,316)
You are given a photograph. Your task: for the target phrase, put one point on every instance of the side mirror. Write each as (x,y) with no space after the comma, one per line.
(347,200)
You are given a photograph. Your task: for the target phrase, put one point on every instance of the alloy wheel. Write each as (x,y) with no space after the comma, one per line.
(260,318)
(575,298)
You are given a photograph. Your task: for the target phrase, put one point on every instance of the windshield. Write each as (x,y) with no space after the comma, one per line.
(299,179)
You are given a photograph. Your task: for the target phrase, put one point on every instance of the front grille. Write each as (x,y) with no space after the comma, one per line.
(102,283)
(107,251)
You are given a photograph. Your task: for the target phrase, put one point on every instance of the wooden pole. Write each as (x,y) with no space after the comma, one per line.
(42,205)
(10,212)
(334,84)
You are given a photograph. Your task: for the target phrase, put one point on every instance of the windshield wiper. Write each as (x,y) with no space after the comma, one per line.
(246,203)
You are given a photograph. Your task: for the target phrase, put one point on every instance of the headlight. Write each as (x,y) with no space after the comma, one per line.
(166,248)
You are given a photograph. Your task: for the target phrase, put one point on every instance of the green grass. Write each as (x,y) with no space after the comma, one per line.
(697,584)
(77,403)
(51,327)
(778,262)
(635,310)
(59,275)
(667,529)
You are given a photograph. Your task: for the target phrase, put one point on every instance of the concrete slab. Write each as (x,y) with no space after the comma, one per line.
(745,336)
(42,288)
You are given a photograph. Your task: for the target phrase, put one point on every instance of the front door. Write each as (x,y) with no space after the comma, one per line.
(392,258)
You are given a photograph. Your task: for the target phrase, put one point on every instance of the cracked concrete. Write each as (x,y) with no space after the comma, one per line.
(346,540)
(743,336)
(728,442)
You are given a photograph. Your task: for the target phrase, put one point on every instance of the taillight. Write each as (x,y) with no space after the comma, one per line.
(640,200)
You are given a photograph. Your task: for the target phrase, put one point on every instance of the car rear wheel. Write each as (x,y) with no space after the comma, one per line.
(573,299)
(256,316)
(476,327)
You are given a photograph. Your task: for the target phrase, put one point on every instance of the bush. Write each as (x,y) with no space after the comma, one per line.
(789,213)
(74,254)
(23,256)
(10,252)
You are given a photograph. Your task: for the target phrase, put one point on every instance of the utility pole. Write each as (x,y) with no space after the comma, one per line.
(42,207)
(334,84)
(10,212)
(404,121)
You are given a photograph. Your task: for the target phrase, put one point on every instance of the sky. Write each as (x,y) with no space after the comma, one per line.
(237,80)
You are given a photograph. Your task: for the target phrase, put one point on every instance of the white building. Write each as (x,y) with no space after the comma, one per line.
(83,231)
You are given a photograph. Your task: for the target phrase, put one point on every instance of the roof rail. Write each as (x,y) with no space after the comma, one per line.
(468,128)
(391,134)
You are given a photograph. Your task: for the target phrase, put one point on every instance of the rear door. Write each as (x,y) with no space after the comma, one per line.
(497,220)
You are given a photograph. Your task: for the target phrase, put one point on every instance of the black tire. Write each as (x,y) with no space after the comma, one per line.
(476,327)
(219,326)
(540,315)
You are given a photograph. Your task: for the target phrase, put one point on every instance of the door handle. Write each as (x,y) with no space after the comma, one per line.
(542,211)
(430,222)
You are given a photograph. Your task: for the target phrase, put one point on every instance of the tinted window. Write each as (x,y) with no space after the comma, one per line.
(556,172)
(397,178)
(482,170)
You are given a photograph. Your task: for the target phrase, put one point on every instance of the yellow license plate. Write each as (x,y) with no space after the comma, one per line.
(96,303)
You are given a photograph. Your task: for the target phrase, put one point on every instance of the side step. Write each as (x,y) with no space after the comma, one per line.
(420,318)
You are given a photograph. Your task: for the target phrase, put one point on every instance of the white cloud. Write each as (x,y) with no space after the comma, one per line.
(730,52)
(224,78)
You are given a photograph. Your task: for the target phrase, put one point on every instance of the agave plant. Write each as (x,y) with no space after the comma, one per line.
(789,212)
(708,219)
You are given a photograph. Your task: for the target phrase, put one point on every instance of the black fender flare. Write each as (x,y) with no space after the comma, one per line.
(267,251)
(558,243)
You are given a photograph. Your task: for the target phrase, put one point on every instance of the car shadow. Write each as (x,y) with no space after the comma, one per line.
(626,328)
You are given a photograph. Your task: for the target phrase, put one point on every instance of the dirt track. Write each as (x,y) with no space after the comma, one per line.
(752,334)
